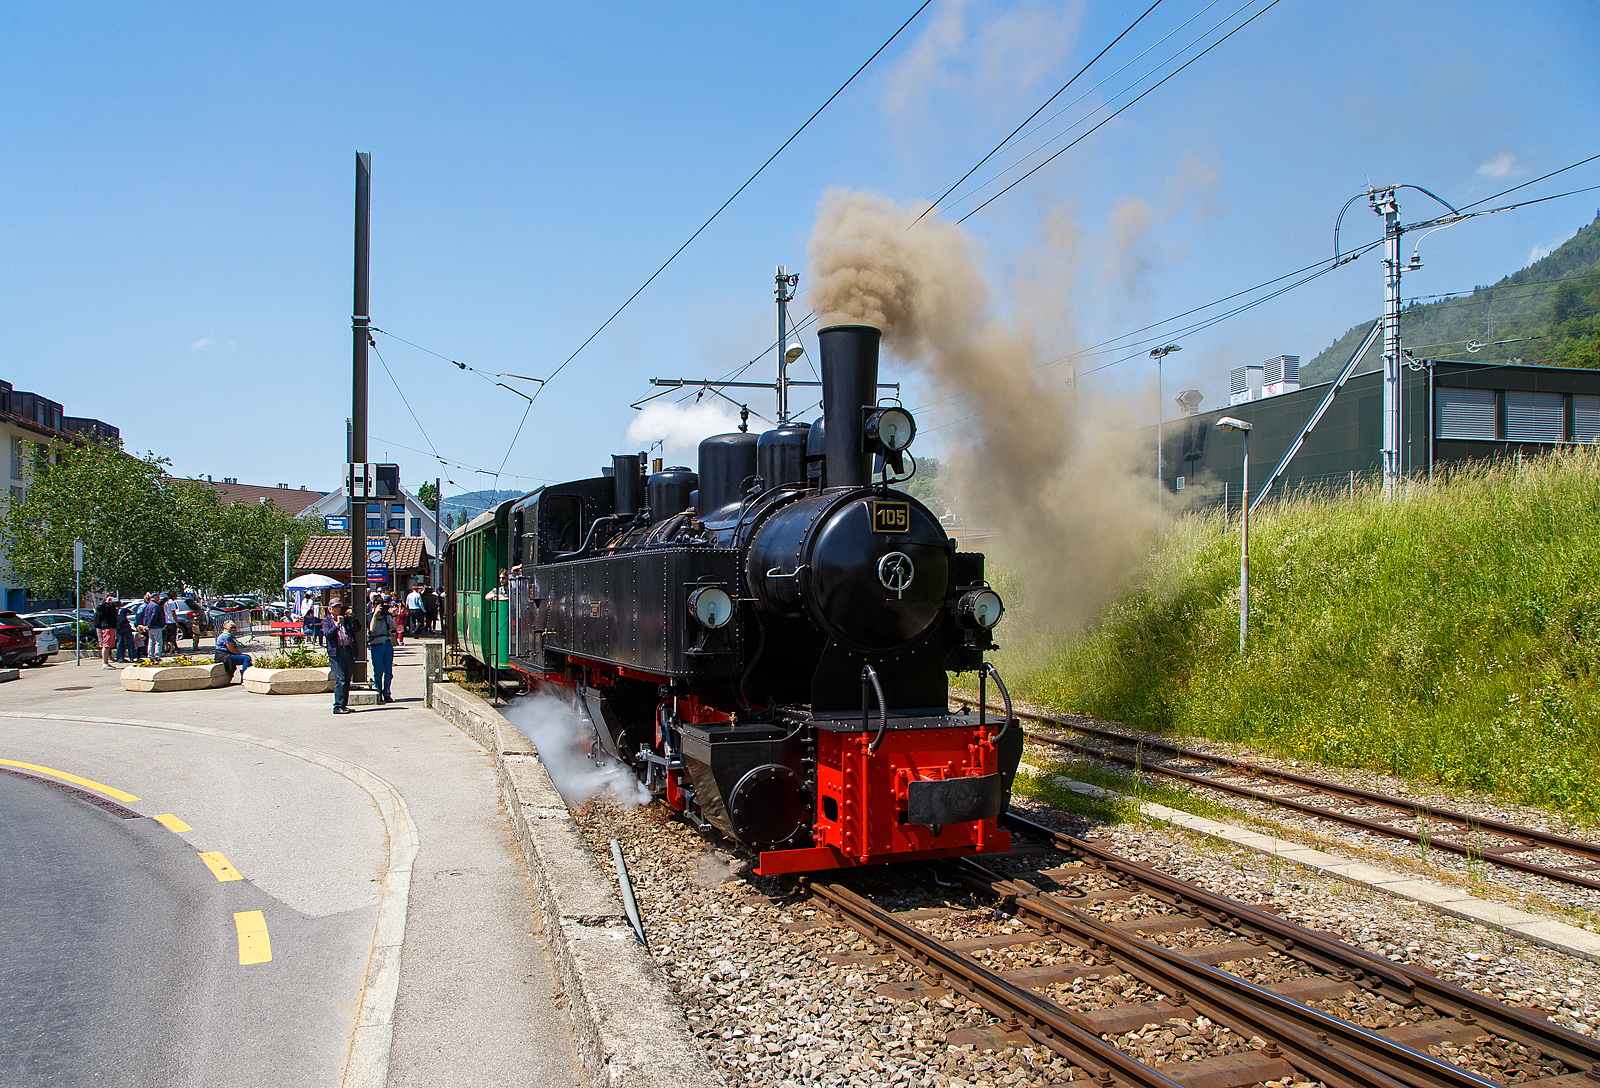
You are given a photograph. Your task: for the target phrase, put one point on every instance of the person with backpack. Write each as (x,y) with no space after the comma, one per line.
(105,630)
(339,630)
(381,635)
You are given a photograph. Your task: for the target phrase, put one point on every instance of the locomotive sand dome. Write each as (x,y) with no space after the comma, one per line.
(765,641)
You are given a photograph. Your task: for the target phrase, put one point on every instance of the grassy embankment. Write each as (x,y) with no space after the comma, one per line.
(1452,635)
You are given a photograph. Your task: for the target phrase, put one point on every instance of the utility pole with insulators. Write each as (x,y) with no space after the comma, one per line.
(1385,203)
(785,293)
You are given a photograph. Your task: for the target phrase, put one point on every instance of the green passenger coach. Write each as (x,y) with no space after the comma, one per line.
(476,560)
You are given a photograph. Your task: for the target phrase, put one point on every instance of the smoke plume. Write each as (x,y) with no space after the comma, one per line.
(679,427)
(569,750)
(1054,471)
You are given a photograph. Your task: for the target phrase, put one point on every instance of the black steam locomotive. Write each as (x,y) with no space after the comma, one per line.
(766,641)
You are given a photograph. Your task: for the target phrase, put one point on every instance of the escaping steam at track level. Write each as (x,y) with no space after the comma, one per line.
(577,765)
(1057,474)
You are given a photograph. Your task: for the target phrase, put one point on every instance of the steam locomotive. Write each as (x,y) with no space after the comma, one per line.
(766,641)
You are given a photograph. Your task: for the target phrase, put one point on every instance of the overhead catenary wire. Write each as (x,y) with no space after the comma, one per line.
(1042,107)
(724,205)
(1102,123)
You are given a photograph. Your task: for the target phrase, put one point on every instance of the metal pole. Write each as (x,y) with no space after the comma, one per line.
(1160,412)
(359,321)
(1244,549)
(77,621)
(1385,204)
(438,554)
(783,347)
(286,568)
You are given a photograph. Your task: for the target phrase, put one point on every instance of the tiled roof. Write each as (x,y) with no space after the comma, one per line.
(332,553)
(291,500)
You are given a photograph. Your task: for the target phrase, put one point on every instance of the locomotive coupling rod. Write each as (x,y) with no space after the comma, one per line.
(869,675)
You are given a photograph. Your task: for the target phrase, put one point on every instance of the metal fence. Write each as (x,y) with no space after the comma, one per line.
(241,621)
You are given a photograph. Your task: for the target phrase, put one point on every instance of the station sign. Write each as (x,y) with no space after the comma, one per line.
(336,524)
(376,543)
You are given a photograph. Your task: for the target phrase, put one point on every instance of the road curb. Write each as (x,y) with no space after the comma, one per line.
(367,1065)
(627,1023)
(1561,936)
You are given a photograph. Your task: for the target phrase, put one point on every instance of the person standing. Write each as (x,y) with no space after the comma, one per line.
(169,611)
(127,649)
(105,629)
(414,610)
(152,623)
(380,650)
(397,612)
(430,608)
(340,632)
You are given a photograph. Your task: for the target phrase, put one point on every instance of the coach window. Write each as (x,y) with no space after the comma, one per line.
(563,522)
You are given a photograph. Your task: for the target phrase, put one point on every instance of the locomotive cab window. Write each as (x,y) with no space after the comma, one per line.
(563,522)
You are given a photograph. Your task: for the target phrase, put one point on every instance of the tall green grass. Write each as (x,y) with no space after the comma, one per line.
(1451,634)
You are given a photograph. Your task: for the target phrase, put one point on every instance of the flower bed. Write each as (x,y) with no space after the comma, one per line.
(188,675)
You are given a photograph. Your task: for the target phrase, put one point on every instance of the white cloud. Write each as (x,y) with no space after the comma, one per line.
(680,427)
(1538,253)
(203,342)
(1502,165)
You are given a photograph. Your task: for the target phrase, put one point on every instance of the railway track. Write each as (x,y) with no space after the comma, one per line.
(1234,994)
(1525,849)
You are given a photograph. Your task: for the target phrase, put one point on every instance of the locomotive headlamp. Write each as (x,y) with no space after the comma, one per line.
(980,608)
(888,432)
(711,606)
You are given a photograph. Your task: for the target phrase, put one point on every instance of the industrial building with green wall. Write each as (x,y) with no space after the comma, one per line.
(1451,412)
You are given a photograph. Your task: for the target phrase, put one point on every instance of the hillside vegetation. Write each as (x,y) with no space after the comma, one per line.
(1452,634)
(1556,298)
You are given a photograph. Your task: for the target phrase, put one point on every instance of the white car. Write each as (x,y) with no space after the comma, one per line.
(44,641)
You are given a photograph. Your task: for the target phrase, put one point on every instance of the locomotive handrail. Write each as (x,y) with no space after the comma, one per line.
(776,573)
(589,537)
(869,674)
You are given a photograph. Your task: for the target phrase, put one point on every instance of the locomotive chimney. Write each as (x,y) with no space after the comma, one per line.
(625,478)
(849,384)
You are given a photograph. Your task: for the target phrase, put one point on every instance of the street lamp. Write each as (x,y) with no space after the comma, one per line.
(1228,423)
(1158,354)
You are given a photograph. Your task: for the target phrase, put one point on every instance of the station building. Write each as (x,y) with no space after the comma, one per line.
(1451,411)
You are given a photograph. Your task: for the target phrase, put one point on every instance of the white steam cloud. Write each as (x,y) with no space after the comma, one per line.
(569,750)
(679,427)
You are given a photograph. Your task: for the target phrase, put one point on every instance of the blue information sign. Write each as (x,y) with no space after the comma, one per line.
(376,543)
(336,524)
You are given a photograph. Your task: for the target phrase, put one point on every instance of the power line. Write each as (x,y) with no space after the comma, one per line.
(1118,111)
(1535,181)
(404,401)
(450,462)
(794,136)
(1043,106)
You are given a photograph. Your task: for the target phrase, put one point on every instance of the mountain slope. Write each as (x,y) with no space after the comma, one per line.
(1556,299)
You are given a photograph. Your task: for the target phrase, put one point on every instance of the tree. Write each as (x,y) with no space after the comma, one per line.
(428,495)
(140,529)
(247,543)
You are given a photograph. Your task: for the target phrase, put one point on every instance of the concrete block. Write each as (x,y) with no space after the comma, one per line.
(174,677)
(288,681)
(1562,937)
(1424,892)
(1498,915)
(9,674)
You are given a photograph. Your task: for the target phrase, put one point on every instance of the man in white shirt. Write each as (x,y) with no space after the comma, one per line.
(414,609)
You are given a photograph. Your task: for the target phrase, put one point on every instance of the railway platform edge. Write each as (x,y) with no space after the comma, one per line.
(629,1030)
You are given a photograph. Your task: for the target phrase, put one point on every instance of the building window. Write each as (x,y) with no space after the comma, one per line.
(1585,417)
(1535,417)
(16,493)
(397,508)
(1466,413)
(416,526)
(374,525)
(398,524)
(16,458)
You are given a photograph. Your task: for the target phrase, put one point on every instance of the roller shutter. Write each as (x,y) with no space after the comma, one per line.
(1585,417)
(1465,413)
(1534,417)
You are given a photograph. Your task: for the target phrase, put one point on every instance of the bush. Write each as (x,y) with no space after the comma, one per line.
(1451,634)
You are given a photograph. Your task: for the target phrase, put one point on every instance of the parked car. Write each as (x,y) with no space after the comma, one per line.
(19,641)
(66,626)
(45,643)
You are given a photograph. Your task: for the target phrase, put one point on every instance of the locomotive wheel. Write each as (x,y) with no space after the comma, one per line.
(769,807)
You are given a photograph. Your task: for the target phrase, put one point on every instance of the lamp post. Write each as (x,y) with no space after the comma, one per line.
(1158,354)
(1228,423)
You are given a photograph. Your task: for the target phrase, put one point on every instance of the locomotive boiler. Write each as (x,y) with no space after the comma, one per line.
(765,639)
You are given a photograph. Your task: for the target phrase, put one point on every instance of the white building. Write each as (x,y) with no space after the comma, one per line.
(406,514)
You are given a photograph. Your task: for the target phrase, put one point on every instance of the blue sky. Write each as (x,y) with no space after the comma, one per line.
(177,192)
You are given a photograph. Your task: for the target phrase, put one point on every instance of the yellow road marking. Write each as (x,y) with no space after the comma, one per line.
(254,944)
(219,865)
(171,822)
(98,787)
